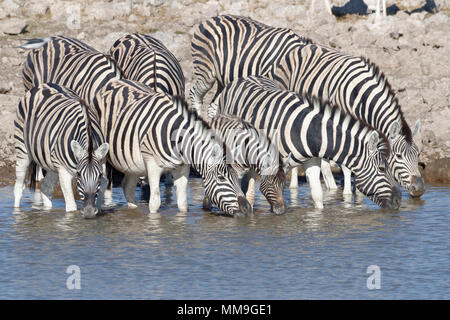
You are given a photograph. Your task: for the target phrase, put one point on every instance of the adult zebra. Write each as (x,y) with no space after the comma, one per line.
(56,131)
(312,129)
(228,47)
(151,133)
(357,86)
(69,63)
(253,155)
(145,59)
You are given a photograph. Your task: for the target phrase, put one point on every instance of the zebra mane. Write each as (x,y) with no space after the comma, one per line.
(88,129)
(325,105)
(380,77)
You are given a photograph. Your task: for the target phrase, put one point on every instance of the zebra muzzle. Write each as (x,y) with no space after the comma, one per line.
(417,187)
(245,208)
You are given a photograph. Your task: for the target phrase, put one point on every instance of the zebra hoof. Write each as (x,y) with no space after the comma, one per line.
(132,205)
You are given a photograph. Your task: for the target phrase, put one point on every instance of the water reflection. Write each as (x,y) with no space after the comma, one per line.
(262,256)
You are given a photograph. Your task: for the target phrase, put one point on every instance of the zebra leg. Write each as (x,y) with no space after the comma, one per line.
(21,171)
(328,175)
(180,176)
(347,180)
(154,174)
(312,169)
(65,181)
(47,187)
(129,189)
(294,178)
(37,201)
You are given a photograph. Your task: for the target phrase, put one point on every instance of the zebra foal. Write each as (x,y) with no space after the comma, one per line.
(56,131)
(309,129)
(152,133)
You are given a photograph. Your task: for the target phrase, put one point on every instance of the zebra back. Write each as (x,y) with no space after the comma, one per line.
(358,87)
(230,47)
(69,63)
(145,59)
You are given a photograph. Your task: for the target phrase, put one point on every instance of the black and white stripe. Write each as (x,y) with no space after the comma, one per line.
(309,129)
(252,153)
(151,133)
(357,86)
(145,59)
(69,63)
(227,47)
(56,131)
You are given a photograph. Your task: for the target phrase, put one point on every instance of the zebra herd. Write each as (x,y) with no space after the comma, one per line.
(281,101)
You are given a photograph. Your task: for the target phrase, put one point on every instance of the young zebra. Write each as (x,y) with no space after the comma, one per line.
(253,155)
(145,59)
(228,47)
(56,131)
(151,133)
(69,63)
(358,87)
(311,129)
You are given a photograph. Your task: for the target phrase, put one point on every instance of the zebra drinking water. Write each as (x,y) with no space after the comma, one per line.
(253,155)
(309,129)
(152,133)
(358,87)
(56,131)
(228,47)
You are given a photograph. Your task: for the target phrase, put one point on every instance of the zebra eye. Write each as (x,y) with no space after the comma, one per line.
(221,178)
(399,156)
(381,169)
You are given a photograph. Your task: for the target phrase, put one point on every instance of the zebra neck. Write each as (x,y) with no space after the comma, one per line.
(196,145)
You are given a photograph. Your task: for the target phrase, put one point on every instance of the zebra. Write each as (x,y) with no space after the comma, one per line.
(55,130)
(151,133)
(254,155)
(70,63)
(227,47)
(357,86)
(309,129)
(145,59)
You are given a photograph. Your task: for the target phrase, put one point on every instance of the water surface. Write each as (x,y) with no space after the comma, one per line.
(304,254)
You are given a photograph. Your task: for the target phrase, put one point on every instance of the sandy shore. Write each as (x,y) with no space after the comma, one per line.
(412,50)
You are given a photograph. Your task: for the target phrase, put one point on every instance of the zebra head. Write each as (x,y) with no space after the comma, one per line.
(373,177)
(404,158)
(272,183)
(222,184)
(89,175)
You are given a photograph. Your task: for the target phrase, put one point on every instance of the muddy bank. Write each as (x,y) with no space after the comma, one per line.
(412,50)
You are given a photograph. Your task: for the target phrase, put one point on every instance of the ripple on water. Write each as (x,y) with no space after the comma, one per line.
(306,253)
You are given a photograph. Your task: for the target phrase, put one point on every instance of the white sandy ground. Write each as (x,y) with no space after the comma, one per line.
(412,50)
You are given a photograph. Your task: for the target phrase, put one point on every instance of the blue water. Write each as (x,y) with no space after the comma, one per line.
(304,254)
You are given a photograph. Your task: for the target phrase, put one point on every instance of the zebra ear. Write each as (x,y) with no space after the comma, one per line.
(416,129)
(101,151)
(394,130)
(373,141)
(77,149)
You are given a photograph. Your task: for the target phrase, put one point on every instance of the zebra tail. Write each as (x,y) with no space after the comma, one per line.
(32,173)
(35,43)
